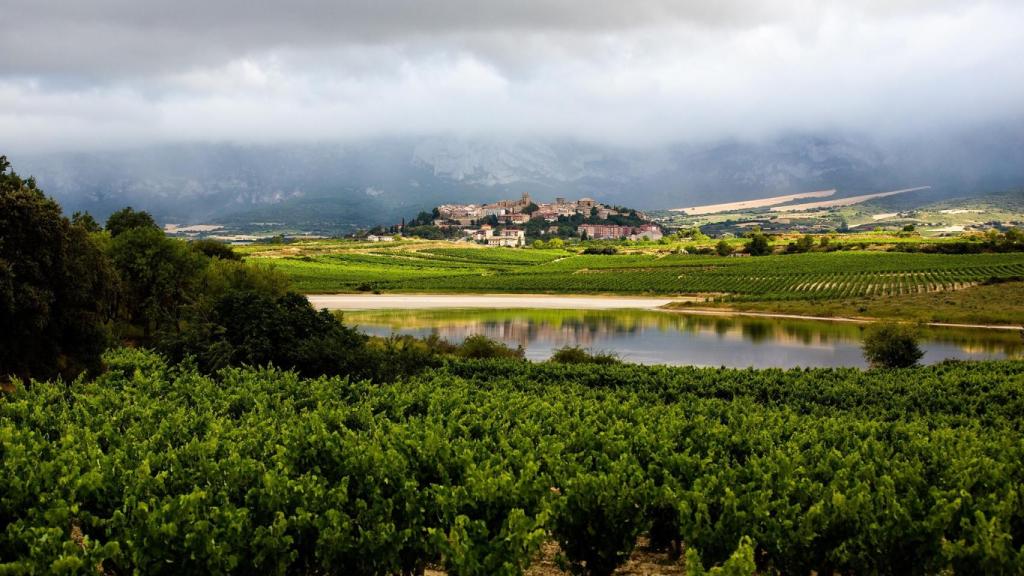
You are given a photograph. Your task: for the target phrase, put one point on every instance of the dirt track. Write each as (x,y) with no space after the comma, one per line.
(510,301)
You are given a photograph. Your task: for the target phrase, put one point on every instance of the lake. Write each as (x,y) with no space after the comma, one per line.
(650,337)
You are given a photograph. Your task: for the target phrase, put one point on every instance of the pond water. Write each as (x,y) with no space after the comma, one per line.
(650,337)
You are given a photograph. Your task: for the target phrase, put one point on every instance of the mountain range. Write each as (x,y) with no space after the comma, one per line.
(332,187)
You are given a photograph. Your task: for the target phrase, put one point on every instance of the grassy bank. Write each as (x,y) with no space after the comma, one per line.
(994,304)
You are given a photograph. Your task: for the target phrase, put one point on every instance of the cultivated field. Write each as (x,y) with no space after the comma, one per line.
(478,467)
(849,201)
(751,204)
(441,268)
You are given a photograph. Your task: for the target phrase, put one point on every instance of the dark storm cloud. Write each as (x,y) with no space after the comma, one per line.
(87,73)
(142,37)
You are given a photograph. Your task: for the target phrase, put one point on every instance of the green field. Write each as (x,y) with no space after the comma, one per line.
(470,468)
(811,276)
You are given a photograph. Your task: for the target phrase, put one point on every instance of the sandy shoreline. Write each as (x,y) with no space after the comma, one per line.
(493,301)
(569,302)
(730,312)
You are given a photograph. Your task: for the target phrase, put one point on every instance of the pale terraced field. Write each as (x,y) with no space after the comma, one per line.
(843,201)
(752,204)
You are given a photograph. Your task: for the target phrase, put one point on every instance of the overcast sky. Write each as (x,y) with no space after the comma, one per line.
(77,74)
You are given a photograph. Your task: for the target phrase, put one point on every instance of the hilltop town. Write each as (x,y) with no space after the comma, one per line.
(512,222)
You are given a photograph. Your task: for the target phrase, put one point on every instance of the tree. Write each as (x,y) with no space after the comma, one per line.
(215,249)
(128,219)
(530,208)
(758,245)
(257,328)
(159,275)
(556,243)
(723,248)
(85,221)
(890,345)
(908,228)
(803,244)
(57,289)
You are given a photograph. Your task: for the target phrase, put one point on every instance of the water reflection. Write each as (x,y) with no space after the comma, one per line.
(668,338)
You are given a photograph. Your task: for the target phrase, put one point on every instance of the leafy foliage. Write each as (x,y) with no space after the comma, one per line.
(890,345)
(758,245)
(247,327)
(57,290)
(600,516)
(215,249)
(154,468)
(159,277)
(577,355)
(479,346)
(127,219)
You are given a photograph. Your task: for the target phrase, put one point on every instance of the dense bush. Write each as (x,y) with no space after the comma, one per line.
(599,516)
(890,345)
(215,249)
(758,245)
(248,327)
(577,355)
(479,346)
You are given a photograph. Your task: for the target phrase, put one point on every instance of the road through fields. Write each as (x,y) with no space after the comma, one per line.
(510,301)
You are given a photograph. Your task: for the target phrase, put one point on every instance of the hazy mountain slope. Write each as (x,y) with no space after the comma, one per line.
(339,186)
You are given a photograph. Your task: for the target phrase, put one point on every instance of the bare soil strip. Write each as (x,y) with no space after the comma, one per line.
(499,301)
(748,204)
(848,201)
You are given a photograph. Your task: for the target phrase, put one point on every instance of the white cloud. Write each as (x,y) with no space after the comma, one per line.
(669,72)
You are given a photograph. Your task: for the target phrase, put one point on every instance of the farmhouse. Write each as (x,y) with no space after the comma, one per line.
(511,237)
(646,232)
(604,231)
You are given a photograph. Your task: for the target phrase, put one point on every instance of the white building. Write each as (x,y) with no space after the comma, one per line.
(511,237)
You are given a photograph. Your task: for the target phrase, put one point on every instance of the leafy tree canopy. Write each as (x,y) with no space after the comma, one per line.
(128,219)
(56,286)
(890,345)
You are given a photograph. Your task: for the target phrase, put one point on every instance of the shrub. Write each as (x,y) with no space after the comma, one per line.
(758,245)
(215,249)
(599,518)
(723,248)
(890,345)
(479,346)
(578,355)
(741,563)
(254,328)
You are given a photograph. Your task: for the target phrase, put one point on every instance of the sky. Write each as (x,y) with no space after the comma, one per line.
(87,74)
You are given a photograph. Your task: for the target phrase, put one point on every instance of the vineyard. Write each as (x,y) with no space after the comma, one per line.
(471,467)
(814,276)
